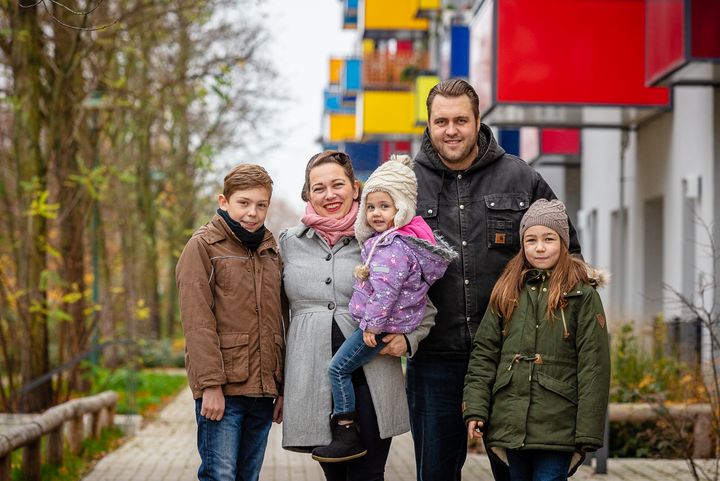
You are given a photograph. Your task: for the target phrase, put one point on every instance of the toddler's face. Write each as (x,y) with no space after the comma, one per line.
(542,247)
(380,211)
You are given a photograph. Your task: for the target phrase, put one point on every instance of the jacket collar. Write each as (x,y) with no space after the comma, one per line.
(220,228)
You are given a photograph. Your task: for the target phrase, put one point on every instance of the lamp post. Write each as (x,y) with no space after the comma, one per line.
(94,103)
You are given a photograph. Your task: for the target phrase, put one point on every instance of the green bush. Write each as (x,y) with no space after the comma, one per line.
(163,353)
(638,376)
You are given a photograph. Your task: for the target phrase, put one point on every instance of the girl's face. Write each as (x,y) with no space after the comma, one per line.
(380,211)
(331,191)
(542,247)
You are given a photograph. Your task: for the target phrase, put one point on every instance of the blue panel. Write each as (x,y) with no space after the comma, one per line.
(337,103)
(509,139)
(459,51)
(351,4)
(330,146)
(352,74)
(365,155)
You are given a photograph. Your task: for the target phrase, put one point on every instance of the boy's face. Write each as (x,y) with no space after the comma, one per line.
(247,207)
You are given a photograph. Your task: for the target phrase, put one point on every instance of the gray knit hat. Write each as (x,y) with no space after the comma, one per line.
(548,213)
(396,177)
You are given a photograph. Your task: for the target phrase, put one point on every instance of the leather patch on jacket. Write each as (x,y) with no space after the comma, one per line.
(601,320)
(499,238)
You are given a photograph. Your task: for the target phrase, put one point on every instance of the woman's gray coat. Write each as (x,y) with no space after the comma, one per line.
(318,282)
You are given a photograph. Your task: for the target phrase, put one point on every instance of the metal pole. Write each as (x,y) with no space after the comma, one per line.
(95,247)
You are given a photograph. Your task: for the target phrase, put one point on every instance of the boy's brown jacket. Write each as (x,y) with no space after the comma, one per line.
(231,313)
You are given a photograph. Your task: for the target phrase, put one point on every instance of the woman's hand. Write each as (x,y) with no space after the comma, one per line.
(213,403)
(369,339)
(396,345)
(278,410)
(474,427)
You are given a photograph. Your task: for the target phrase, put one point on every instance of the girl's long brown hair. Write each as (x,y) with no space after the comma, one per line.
(568,271)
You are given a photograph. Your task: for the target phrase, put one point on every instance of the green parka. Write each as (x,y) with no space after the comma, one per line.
(546,384)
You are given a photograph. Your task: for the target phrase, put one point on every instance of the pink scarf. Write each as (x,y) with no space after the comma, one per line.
(331,229)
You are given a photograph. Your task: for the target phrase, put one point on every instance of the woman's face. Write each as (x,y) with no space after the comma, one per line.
(331,191)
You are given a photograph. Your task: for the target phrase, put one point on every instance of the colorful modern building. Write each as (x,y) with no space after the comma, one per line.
(617,104)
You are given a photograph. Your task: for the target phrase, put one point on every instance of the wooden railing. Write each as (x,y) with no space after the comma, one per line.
(700,415)
(52,423)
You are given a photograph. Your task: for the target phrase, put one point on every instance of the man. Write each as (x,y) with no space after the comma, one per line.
(474,194)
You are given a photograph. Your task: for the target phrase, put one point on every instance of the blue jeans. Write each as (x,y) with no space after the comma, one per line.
(233,448)
(538,465)
(352,354)
(435,391)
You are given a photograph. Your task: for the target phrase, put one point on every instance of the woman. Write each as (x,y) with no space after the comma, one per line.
(319,256)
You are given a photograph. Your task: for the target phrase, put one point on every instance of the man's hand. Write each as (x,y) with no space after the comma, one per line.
(213,403)
(396,345)
(474,428)
(278,410)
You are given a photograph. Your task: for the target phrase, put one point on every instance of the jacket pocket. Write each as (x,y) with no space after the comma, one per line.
(429,212)
(279,357)
(503,214)
(563,389)
(502,380)
(235,355)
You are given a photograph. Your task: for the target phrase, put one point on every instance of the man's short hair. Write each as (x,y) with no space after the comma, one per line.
(454,87)
(244,177)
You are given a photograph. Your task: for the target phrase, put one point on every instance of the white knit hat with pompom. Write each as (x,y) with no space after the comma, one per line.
(397,178)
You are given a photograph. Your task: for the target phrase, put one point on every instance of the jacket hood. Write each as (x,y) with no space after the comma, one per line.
(433,258)
(489,151)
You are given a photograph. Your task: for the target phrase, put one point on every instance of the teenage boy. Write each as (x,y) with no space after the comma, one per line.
(228,279)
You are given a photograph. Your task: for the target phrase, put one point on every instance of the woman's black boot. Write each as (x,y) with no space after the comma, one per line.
(346,443)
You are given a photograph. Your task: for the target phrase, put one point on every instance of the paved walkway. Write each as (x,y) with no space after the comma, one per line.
(165,451)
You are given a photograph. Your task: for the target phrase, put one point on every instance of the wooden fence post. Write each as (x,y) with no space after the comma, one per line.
(32,461)
(55,446)
(76,433)
(5,467)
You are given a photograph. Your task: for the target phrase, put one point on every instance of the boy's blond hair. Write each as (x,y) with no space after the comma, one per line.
(244,177)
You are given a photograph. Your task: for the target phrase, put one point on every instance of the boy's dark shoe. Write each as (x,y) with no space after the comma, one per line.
(346,443)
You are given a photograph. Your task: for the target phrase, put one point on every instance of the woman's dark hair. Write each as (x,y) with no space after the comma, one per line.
(329,156)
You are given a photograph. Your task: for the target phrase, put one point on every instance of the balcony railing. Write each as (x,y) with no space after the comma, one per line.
(386,71)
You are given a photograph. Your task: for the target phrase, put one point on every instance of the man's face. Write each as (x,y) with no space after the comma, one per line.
(454,130)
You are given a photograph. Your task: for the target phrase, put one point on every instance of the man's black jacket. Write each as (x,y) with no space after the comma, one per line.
(478,212)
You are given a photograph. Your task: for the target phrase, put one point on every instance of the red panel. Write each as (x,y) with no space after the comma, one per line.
(706,28)
(560,141)
(566,52)
(405,46)
(394,147)
(665,48)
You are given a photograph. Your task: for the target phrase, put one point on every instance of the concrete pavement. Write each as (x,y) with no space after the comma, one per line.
(165,450)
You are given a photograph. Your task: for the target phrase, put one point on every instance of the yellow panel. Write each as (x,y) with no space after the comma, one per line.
(394,15)
(342,127)
(368,45)
(388,113)
(429,4)
(423,84)
(336,65)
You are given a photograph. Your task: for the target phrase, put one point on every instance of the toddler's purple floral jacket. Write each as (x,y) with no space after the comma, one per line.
(402,268)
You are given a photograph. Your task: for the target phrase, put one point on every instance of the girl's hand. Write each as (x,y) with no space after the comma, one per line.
(475,429)
(369,339)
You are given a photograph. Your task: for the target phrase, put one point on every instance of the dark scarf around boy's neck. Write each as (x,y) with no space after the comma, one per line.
(251,240)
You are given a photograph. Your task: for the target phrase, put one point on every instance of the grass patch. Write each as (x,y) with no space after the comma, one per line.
(142,392)
(74,465)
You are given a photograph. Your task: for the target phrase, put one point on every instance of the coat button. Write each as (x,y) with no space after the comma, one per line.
(462,206)
(328,280)
(331,305)
(328,257)
(346,241)
(429,211)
